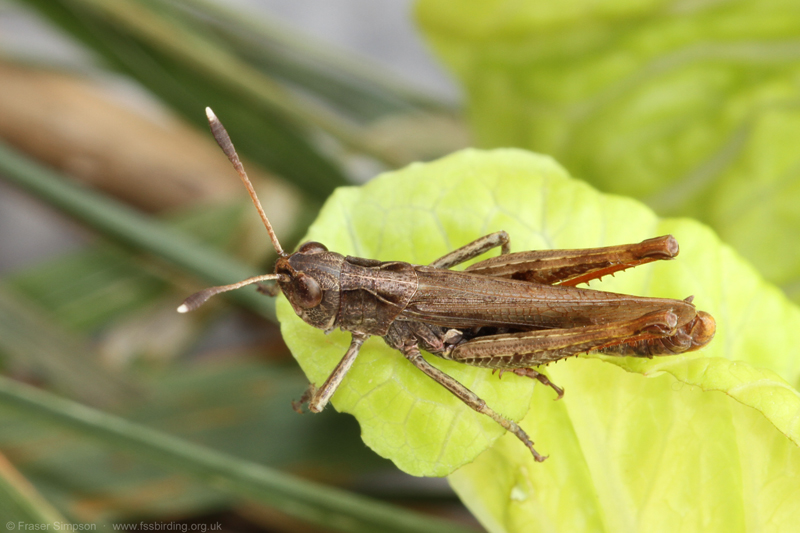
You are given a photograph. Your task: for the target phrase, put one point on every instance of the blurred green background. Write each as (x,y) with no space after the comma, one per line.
(115,204)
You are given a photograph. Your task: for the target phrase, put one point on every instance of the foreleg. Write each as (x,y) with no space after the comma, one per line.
(318,398)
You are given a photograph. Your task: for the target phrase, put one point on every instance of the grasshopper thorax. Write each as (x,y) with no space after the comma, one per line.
(309,278)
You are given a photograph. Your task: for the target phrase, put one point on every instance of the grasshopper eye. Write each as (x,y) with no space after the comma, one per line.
(312,247)
(307,293)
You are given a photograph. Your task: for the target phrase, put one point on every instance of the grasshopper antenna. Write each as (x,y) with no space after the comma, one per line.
(199,298)
(224,142)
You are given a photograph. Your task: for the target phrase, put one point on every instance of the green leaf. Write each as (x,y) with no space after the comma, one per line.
(625,451)
(691,107)
(629,453)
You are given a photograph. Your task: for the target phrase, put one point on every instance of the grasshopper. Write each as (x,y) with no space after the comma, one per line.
(509,313)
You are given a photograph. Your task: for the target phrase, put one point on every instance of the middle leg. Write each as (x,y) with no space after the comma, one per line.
(413,354)
(533,374)
(477,247)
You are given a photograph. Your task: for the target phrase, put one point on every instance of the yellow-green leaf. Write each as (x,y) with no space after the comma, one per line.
(690,106)
(625,448)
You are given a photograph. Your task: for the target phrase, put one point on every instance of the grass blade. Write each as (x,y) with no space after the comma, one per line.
(353,85)
(20,502)
(31,342)
(296,497)
(132,228)
(189,71)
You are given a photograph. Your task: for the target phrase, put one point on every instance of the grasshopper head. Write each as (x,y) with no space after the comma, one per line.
(309,278)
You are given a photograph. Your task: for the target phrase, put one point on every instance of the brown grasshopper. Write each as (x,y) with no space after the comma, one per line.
(508,313)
